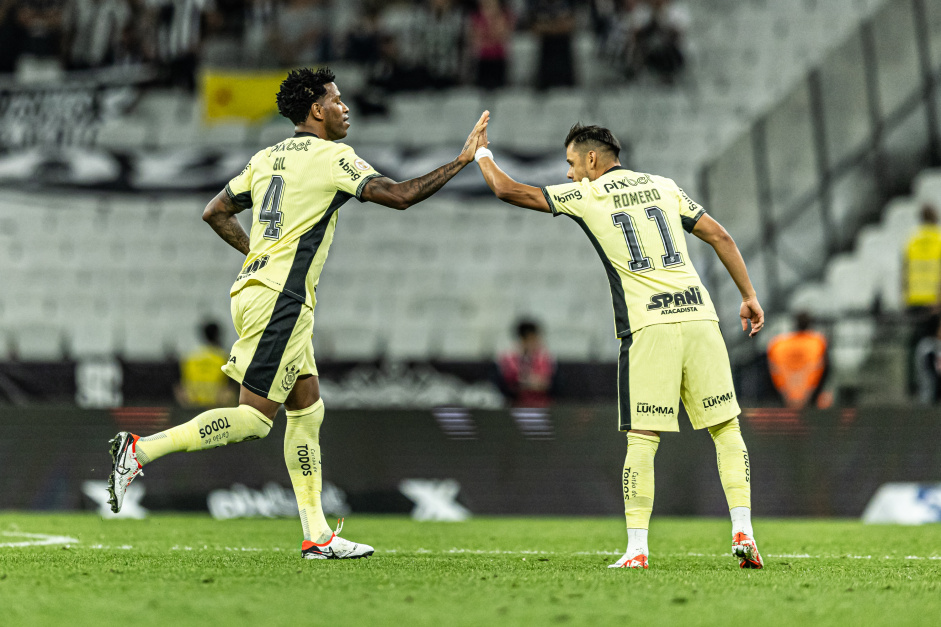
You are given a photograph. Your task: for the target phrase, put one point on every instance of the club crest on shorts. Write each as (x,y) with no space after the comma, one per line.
(290,377)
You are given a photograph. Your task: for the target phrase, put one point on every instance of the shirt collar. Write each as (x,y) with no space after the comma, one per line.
(304,134)
(613,168)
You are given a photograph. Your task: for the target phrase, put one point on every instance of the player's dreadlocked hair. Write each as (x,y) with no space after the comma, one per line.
(300,90)
(597,135)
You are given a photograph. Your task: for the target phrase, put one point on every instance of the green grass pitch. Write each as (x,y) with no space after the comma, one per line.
(189,570)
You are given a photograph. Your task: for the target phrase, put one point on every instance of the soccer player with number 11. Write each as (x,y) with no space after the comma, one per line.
(671,347)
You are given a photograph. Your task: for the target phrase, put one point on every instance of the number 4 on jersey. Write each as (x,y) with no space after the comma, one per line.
(640,262)
(271,208)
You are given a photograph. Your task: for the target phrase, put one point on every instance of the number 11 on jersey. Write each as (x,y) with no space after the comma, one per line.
(640,262)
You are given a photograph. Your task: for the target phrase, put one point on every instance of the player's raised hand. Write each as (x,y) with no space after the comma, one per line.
(472,143)
(751,311)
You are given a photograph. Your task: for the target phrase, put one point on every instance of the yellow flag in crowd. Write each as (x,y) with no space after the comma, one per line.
(243,95)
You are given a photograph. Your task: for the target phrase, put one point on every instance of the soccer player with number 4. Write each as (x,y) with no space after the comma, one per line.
(294,190)
(671,347)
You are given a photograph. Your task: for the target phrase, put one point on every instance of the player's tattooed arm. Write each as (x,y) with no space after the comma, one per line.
(220,215)
(385,191)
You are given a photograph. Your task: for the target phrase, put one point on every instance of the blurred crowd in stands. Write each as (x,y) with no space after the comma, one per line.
(404,44)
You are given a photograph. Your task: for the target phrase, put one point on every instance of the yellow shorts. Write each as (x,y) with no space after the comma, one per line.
(274,346)
(661,363)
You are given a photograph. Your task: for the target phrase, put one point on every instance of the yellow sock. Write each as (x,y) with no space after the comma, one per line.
(638,479)
(302,456)
(210,429)
(732,456)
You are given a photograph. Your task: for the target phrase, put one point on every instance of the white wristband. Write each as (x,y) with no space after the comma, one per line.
(481,153)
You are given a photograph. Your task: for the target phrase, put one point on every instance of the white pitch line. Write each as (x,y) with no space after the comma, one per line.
(37,539)
(40,539)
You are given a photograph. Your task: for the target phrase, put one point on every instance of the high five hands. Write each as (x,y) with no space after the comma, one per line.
(476,139)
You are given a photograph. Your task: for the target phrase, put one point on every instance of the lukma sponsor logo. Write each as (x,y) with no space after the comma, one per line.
(712,401)
(666,300)
(647,408)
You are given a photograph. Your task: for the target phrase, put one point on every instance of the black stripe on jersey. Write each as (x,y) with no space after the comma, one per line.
(624,384)
(243,200)
(260,374)
(362,185)
(307,247)
(622,323)
(545,192)
(690,222)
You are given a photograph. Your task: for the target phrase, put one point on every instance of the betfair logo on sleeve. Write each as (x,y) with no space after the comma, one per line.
(676,302)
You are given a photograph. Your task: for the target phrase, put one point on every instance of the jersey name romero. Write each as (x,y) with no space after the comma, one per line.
(635,221)
(295,189)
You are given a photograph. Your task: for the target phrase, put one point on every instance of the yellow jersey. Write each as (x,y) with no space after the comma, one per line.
(201,376)
(295,189)
(923,267)
(635,222)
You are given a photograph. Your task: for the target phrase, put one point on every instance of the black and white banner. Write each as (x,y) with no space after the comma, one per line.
(66,112)
(198,169)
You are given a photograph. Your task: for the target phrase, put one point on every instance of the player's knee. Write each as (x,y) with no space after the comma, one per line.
(254,423)
(638,436)
(311,415)
(729,426)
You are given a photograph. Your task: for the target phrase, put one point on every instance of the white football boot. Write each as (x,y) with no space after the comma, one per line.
(125,468)
(631,559)
(336,548)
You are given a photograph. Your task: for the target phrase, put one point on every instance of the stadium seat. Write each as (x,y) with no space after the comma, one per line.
(37,342)
(928,187)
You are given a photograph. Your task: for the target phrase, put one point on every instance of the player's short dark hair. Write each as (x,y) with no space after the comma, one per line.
(594,137)
(211,332)
(928,214)
(525,328)
(300,90)
(803,320)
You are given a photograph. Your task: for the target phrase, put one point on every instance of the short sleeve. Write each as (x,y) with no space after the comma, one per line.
(239,188)
(350,173)
(690,211)
(567,198)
